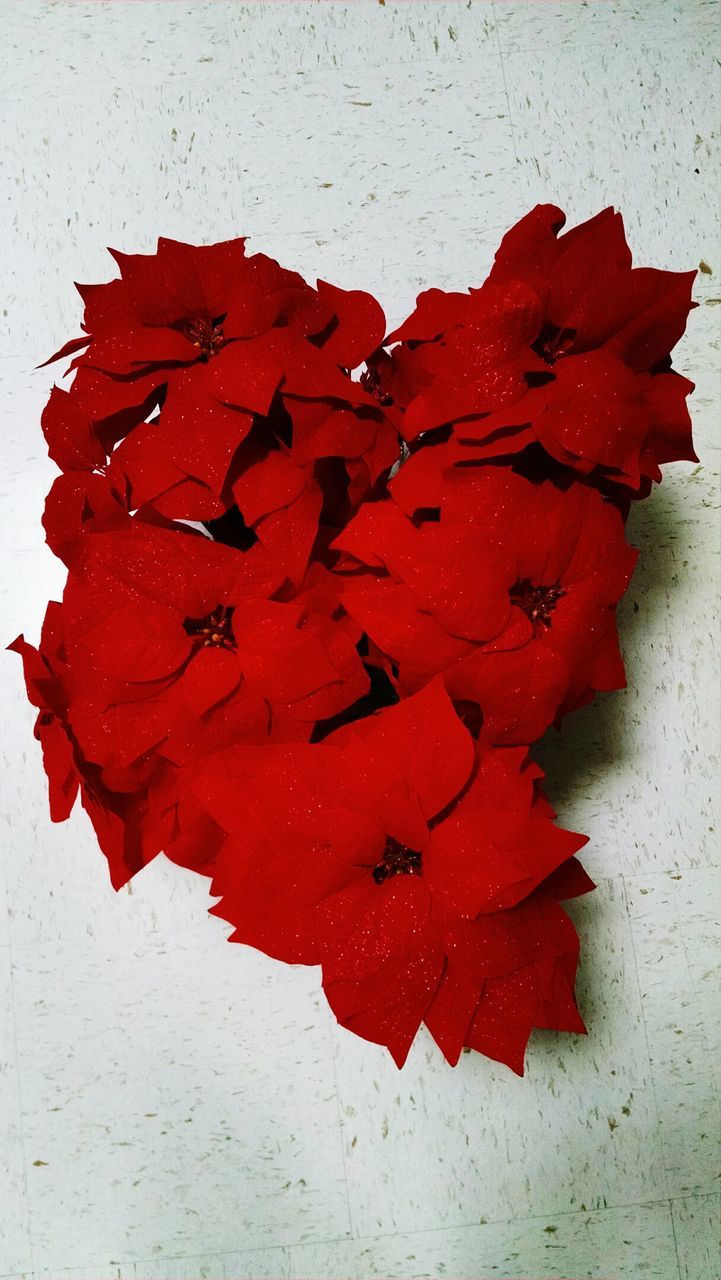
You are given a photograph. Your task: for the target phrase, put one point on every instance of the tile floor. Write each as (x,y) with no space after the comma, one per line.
(174,1108)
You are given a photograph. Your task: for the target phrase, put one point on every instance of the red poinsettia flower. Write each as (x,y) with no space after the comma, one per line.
(176,651)
(215,341)
(367,852)
(509,595)
(565,344)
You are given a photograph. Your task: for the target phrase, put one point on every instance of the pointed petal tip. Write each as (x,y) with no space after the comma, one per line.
(398,1055)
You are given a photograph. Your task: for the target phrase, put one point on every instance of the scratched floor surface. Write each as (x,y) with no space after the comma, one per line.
(172,1107)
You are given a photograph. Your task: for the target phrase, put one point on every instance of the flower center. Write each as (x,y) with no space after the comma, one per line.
(537,603)
(215,630)
(397,860)
(553,343)
(206,335)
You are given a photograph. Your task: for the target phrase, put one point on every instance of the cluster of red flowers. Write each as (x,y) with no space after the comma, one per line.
(314,621)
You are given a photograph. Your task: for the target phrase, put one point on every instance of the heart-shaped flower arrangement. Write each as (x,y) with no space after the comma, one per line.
(314,622)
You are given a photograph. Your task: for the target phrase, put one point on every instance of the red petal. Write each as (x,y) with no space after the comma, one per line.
(423,737)
(75,344)
(435,311)
(569,881)
(519,692)
(360,324)
(641,314)
(529,250)
(475,950)
(479,860)
(69,433)
(497,1030)
(289,534)
(268,485)
(246,375)
(141,642)
(593,251)
(80,502)
(59,765)
(381,959)
(212,675)
(669,437)
(595,412)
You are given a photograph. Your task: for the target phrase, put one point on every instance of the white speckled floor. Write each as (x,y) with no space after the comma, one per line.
(171,1107)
